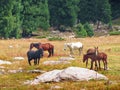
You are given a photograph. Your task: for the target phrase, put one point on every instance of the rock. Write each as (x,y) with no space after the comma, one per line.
(15,71)
(66,59)
(70,73)
(55,62)
(18,58)
(36,71)
(5,62)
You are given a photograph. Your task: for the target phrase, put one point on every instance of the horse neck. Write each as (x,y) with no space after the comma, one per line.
(96,51)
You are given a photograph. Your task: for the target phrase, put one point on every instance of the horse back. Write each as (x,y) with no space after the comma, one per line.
(103,55)
(90,51)
(47,46)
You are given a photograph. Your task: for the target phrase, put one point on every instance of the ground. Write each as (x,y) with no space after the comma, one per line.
(18,47)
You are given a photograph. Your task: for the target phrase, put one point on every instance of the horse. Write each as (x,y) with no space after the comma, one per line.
(74,45)
(35,55)
(93,51)
(101,56)
(46,47)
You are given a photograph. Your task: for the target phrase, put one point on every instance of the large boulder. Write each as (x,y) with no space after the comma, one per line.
(70,73)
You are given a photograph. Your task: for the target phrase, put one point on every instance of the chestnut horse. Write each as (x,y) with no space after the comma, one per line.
(46,47)
(101,56)
(94,51)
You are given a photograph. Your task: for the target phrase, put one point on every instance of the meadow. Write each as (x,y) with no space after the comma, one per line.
(18,47)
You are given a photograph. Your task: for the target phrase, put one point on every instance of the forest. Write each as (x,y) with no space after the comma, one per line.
(19,18)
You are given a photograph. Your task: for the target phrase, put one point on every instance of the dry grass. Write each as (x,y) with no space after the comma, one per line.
(13,48)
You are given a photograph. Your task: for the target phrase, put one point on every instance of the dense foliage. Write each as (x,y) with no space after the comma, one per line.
(80,30)
(89,29)
(35,15)
(22,17)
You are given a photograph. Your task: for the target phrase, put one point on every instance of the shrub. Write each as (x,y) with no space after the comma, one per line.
(80,31)
(114,33)
(89,29)
(56,39)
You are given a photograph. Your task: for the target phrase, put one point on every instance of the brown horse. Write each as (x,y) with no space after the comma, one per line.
(93,51)
(46,47)
(101,56)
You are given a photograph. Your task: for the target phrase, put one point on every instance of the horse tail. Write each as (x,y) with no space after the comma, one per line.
(53,51)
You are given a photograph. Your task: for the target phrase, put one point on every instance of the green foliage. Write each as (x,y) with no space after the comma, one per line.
(103,11)
(89,29)
(80,31)
(93,11)
(63,12)
(35,15)
(115,7)
(10,18)
(55,39)
(114,33)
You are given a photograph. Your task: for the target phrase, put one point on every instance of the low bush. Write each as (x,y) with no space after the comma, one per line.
(56,39)
(114,33)
(80,31)
(89,29)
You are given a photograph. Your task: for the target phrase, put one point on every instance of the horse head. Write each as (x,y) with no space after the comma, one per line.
(96,51)
(31,46)
(36,45)
(67,45)
(85,57)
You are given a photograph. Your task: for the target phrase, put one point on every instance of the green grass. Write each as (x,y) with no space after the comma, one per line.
(114,33)
(15,81)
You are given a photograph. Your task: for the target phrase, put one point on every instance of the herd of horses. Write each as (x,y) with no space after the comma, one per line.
(92,53)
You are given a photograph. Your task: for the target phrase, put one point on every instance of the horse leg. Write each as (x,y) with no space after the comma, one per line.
(80,50)
(49,51)
(52,51)
(29,62)
(38,60)
(96,64)
(99,64)
(71,52)
(106,64)
(91,64)
(35,61)
(86,62)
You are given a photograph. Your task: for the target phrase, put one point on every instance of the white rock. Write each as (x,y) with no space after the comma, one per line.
(5,62)
(18,58)
(66,58)
(70,73)
(55,62)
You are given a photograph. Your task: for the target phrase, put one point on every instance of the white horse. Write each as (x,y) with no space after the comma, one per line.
(74,46)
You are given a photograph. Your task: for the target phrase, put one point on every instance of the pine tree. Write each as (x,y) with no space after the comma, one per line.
(35,15)
(16,13)
(6,19)
(63,12)
(9,18)
(94,10)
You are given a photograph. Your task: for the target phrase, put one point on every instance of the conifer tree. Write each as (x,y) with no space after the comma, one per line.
(63,12)
(35,15)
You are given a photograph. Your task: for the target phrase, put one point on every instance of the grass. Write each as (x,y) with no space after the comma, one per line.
(114,33)
(109,45)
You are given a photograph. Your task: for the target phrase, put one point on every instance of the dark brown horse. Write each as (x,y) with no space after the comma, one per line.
(46,47)
(101,56)
(93,51)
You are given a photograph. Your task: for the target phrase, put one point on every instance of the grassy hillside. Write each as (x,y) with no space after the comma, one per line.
(12,48)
